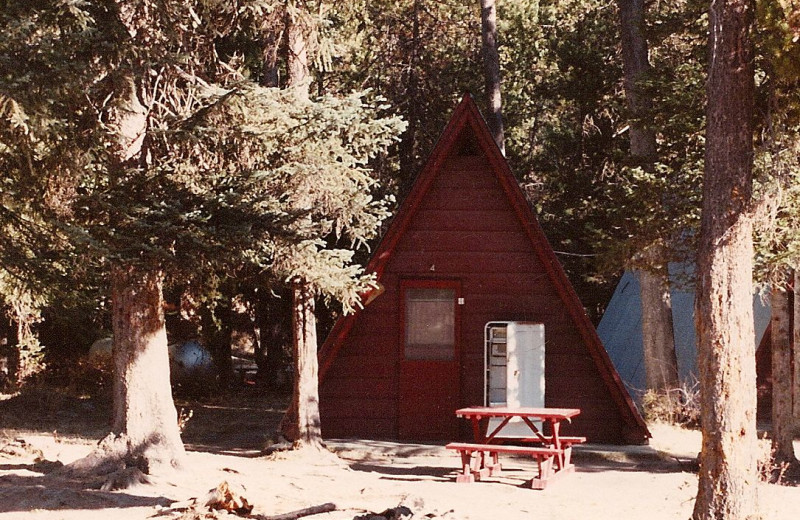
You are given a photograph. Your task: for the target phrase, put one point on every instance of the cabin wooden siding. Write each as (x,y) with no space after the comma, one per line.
(464,229)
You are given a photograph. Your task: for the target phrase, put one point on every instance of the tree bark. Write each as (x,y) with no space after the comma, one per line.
(217,336)
(728,479)
(636,66)
(491,66)
(297,63)
(144,433)
(796,355)
(144,437)
(302,424)
(144,411)
(407,149)
(782,419)
(658,337)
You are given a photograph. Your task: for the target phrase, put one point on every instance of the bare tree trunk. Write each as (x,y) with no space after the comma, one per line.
(782,419)
(304,430)
(796,355)
(658,337)
(728,478)
(24,350)
(145,436)
(143,407)
(636,66)
(297,63)
(217,335)
(491,66)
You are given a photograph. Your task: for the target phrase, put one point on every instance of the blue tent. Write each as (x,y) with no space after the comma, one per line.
(620,329)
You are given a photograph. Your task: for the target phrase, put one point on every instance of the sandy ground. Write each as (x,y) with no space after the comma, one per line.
(653,482)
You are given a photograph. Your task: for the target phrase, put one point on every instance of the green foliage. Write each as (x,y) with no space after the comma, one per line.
(420,55)
(777,159)
(307,162)
(132,133)
(567,131)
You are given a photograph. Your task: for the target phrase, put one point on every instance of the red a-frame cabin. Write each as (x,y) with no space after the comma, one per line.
(465,237)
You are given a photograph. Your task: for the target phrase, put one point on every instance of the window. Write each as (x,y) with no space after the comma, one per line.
(430,323)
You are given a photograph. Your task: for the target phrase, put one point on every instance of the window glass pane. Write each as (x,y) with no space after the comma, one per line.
(430,323)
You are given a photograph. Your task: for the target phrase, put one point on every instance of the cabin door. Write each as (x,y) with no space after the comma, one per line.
(430,386)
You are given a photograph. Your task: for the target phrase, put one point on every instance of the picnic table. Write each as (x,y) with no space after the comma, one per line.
(551,450)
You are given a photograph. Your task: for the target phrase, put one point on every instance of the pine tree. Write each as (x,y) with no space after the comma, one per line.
(727,487)
(175,165)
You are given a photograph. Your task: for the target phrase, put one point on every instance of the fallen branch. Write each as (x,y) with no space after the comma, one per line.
(300,513)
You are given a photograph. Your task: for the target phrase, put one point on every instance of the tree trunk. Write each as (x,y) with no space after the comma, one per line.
(144,411)
(297,62)
(658,337)
(491,66)
(145,435)
(796,355)
(782,419)
(636,66)
(217,336)
(409,140)
(145,438)
(728,479)
(301,425)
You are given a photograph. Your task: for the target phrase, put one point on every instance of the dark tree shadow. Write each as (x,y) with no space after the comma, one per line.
(48,492)
(440,473)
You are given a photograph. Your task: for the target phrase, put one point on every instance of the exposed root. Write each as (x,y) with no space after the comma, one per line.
(122,479)
(118,464)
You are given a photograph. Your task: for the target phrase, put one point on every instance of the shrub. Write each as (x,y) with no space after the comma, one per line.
(680,406)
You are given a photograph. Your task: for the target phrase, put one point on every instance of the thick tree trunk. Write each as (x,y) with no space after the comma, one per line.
(144,411)
(728,479)
(301,425)
(658,337)
(782,419)
(796,355)
(491,67)
(145,437)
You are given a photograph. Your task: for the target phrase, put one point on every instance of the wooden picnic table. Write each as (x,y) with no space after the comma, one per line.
(551,450)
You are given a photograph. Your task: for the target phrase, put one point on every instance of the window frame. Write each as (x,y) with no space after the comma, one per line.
(455,286)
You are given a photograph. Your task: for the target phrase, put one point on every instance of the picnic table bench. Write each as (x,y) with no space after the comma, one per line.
(552,452)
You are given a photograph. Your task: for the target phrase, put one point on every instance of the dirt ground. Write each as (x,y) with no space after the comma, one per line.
(224,438)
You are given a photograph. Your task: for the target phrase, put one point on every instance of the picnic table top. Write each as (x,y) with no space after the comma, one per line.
(505,411)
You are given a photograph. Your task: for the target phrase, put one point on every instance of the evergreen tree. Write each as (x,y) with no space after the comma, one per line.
(176,165)
(726,353)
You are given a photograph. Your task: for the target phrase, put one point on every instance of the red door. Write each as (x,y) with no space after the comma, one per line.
(429,390)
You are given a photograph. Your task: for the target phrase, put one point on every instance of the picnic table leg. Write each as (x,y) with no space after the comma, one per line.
(545,471)
(466,468)
(556,426)
(479,427)
(480,430)
(495,468)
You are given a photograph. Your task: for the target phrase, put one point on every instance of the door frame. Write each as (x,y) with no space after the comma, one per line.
(452,366)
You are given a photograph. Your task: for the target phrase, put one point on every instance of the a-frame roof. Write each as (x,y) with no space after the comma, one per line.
(467,117)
